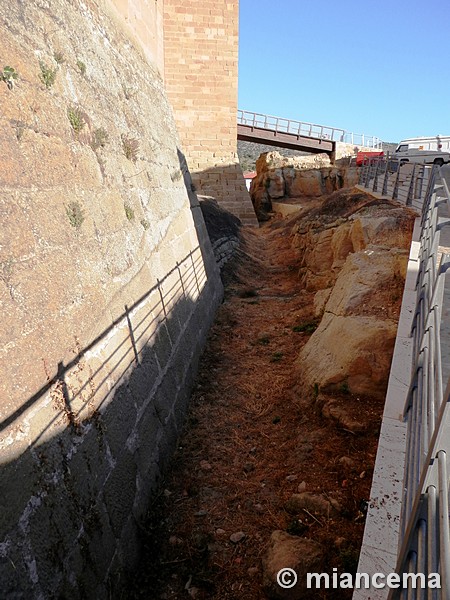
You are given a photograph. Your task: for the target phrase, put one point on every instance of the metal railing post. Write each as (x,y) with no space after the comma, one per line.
(410,195)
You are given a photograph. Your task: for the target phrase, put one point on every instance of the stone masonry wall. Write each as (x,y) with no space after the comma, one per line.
(144,20)
(108,286)
(201,69)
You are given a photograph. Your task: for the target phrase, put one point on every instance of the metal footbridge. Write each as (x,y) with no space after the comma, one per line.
(297,135)
(407,526)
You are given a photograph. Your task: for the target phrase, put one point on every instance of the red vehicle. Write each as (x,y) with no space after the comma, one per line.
(361,157)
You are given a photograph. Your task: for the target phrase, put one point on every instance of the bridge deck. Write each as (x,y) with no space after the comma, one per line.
(271,137)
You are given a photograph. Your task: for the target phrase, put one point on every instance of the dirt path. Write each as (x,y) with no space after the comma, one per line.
(252,439)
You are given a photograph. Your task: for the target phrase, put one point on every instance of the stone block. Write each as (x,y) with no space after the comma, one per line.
(129,546)
(166,394)
(120,491)
(16,583)
(19,481)
(148,431)
(118,419)
(162,345)
(101,543)
(87,470)
(167,444)
(146,487)
(144,377)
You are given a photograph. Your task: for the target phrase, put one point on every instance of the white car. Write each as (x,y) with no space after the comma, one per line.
(424,150)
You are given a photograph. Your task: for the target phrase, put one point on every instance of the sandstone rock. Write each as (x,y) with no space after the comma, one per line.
(293,177)
(324,243)
(390,227)
(331,410)
(320,300)
(313,503)
(261,200)
(287,551)
(353,349)
(274,183)
(274,160)
(304,183)
(363,272)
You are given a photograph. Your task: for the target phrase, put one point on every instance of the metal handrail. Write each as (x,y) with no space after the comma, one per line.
(303,128)
(424,528)
(391,178)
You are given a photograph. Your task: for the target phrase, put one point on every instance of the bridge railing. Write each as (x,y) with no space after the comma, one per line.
(303,128)
(424,534)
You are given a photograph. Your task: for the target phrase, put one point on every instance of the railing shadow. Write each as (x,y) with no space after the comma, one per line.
(85,452)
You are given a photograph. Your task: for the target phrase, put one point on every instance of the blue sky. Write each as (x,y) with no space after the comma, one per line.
(379,68)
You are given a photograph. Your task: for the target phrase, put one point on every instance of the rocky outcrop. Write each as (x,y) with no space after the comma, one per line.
(281,177)
(351,351)
(354,255)
(348,222)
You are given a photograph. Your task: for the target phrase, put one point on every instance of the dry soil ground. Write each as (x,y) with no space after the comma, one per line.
(253,437)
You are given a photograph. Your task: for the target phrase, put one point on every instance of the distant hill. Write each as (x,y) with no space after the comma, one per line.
(249,152)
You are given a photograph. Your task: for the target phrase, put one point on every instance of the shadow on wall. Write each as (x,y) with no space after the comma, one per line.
(90,445)
(226,184)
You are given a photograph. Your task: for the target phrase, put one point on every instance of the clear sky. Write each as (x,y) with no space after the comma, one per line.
(378,68)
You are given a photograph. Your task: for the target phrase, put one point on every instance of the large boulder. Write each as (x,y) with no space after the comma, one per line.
(369,283)
(354,351)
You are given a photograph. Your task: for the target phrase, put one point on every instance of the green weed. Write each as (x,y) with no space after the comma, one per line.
(99,138)
(308,327)
(76,118)
(129,212)
(82,67)
(59,58)
(9,75)
(75,214)
(47,74)
(130,147)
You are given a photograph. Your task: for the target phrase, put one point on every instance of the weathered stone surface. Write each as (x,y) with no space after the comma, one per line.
(320,300)
(353,252)
(362,274)
(296,177)
(275,184)
(326,242)
(314,503)
(355,350)
(223,230)
(287,551)
(108,285)
(339,414)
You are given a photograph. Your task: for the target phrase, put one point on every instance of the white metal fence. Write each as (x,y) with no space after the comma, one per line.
(424,544)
